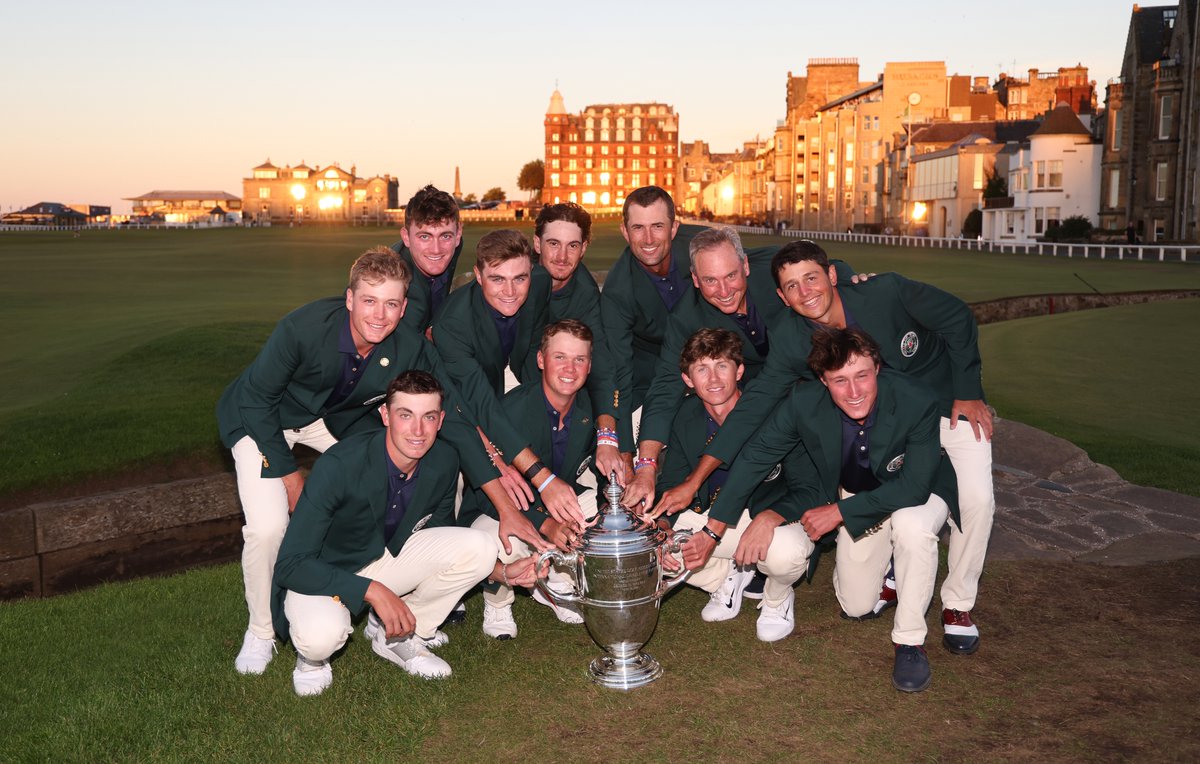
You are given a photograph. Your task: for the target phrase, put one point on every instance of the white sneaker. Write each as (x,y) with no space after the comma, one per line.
(775,623)
(410,654)
(725,602)
(311,677)
(498,622)
(373,625)
(565,613)
(255,654)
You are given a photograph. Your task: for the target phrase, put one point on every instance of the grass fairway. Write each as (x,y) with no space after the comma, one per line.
(132,335)
(143,671)
(1118,382)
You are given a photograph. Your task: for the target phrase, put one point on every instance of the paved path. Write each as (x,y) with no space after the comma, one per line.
(1054,503)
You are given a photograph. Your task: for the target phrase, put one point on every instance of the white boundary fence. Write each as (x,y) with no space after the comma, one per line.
(1145,252)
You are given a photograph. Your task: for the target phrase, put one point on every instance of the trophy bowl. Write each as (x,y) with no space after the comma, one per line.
(618,582)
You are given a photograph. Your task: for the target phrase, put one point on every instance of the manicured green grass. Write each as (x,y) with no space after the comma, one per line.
(118,343)
(143,671)
(1118,382)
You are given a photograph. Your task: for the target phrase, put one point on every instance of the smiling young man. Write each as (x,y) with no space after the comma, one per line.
(561,236)
(642,288)
(430,244)
(865,461)
(727,547)
(555,413)
(316,380)
(486,333)
(375,527)
(922,331)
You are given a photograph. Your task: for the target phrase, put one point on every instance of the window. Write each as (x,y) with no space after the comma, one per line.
(620,149)
(637,149)
(1039,174)
(1054,173)
(652,181)
(1160,229)
(866,174)
(637,164)
(831,180)
(1114,187)
(555,150)
(587,164)
(849,176)
(587,179)
(1160,182)
(604,150)
(636,180)
(977,178)
(553,180)
(264,193)
(589,135)
(849,152)
(1118,133)
(1166,108)
(651,163)
(555,164)
(620,164)
(572,180)
(572,164)
(1039,220)
(1052,217)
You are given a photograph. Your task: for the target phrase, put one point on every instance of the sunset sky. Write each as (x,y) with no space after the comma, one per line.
(109,100)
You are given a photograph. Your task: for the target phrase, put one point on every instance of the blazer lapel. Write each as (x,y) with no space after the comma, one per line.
(883,446)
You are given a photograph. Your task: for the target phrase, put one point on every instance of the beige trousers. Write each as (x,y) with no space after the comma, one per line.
(558,578)
(434,569)
(265,505)
(909,537)
(786,561)
(972,462)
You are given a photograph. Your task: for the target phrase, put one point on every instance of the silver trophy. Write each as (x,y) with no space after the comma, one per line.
(618,582)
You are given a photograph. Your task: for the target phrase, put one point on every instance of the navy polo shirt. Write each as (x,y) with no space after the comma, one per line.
(856,474)
(716,481)
(670,287)
(558,435)
(353,366)
(506,327)
(439,287)
(752,326)
(400,492)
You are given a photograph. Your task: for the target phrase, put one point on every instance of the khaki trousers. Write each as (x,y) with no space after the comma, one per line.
(434,569)
(972,462)
(786,561)
(558,579)
(908,536)
(265,505)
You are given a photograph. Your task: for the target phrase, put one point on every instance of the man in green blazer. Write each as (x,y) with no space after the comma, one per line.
(555,414)
(875,472)
(430,244)
(729,294)
(487,335)
(375,526)
(647,281)
(727,546)
(922,331)
(318,379)
(561,236)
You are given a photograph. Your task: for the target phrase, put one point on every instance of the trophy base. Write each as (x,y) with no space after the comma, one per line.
(624,673)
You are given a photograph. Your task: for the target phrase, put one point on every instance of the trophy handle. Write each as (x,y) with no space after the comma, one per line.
(674,544)
(558,558)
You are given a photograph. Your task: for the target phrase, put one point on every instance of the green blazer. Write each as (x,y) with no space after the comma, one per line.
(467,339)
(337,528)
(689,435)
(580,299)
(921,330)
(635,319)
(906,455)
(692,314)
(287,386)
(525,406)
(418,314)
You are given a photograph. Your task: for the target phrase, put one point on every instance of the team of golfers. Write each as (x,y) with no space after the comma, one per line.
(782,408)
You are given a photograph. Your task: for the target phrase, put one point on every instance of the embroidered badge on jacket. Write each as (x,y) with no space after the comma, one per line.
(895,464)
(909,345)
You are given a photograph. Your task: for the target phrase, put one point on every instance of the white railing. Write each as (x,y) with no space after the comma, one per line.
(1144,252)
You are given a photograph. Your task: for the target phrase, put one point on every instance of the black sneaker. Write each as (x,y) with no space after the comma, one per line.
(754,591)
(457,615)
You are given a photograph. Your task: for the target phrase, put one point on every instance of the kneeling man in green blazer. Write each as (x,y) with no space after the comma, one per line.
(375,526)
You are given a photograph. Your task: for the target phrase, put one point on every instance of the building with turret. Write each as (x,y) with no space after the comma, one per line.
(597,156)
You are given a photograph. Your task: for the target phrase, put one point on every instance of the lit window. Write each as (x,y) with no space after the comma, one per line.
(264,193)
(589,197)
